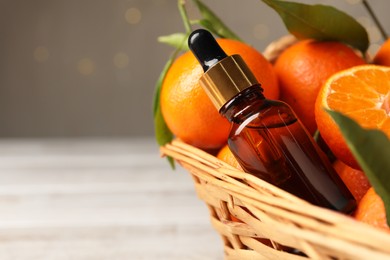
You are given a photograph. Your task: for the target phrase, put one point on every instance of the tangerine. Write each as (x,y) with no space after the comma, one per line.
(186,108)
(226,155)
(362,93)
(382,57)
(371,210)
(355,180)
(302,69)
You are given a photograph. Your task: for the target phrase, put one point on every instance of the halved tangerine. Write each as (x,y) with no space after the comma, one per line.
(363,94)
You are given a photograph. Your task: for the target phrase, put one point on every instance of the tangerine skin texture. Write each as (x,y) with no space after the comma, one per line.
(226,155)
(371,210)
(304,67)
(382,57)
(187,109)
(355,180)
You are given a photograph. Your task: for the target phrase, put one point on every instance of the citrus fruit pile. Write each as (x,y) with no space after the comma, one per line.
(309,75)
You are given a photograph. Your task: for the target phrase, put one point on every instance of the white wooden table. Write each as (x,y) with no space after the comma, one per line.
(98,199)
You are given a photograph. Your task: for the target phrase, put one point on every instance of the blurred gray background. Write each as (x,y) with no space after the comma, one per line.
(88,67)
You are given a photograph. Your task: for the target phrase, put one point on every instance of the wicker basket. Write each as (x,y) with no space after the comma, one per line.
(273,216)
(257,220)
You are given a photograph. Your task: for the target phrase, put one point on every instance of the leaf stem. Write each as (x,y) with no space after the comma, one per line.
(184,16)
(375,19)
(213,23)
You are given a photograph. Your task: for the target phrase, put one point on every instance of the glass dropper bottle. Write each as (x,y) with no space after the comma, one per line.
(266,137)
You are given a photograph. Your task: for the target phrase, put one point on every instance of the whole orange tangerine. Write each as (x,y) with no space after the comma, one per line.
(304,67)
(186,108)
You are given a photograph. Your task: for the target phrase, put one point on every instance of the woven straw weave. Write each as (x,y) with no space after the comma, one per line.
(289,227)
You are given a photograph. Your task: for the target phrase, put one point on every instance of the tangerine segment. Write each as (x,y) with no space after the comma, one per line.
(386,125)
(378,79)
(360,87)
(362,93)
(348,103)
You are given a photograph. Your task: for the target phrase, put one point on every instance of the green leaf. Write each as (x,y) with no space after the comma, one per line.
(211,22)
(371,149)
(320,22)
(156,99)
(176,40)
(168,64)
(163,134)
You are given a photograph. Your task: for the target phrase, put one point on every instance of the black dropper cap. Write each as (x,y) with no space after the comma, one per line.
(225,76)
(205,48)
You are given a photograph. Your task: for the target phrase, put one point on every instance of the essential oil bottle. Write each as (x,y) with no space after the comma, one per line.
(266,137)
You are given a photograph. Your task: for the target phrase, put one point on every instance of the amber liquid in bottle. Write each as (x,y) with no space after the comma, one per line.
(270,142)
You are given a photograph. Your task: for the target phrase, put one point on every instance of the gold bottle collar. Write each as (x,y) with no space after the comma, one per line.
(226,79)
